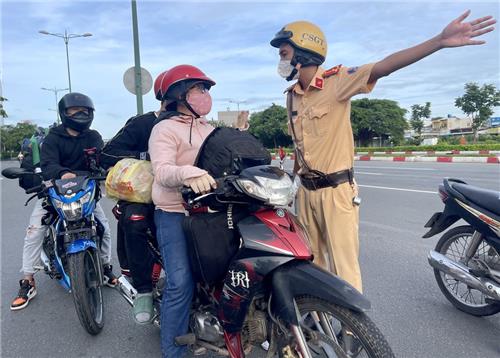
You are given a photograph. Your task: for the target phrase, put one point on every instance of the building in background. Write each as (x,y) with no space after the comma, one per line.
(451,125)
(234,119)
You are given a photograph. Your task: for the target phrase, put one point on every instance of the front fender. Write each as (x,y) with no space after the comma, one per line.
(80,245)
(305,278)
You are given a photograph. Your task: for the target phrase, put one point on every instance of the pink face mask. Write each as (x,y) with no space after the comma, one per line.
(200,101)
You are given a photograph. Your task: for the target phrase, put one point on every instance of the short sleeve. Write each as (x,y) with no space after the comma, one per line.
(354,80)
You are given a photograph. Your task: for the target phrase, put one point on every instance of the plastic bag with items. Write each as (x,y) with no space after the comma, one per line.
(130,180)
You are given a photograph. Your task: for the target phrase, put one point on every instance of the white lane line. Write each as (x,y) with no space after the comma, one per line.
(398,189)
(396,168)
(368,173)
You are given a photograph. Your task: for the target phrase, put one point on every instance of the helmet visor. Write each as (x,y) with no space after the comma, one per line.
(282,36)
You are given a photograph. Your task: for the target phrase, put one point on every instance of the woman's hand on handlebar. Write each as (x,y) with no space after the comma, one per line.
(202,184)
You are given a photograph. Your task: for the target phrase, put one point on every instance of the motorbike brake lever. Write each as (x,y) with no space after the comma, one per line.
(30,198)
(198,198)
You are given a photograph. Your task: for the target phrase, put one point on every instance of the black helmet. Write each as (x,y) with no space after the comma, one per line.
(79,121)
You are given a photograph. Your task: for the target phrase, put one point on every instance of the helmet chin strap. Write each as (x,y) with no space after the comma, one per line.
(297,65)
(292,74)
(188,106)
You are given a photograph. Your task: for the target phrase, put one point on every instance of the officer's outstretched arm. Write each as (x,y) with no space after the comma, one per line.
(456,34)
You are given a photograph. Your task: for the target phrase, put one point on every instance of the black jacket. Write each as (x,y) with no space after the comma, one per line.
(62,153)
(130,142)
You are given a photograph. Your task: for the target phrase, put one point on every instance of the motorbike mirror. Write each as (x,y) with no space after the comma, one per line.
(13,172)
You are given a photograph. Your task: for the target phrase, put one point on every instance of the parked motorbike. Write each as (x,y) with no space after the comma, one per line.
(70,251)
(269,289)
(466,259)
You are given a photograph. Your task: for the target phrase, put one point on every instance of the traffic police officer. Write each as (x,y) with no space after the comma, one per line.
(319,121)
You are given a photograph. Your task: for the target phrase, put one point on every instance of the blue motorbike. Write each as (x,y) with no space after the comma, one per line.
(70,251)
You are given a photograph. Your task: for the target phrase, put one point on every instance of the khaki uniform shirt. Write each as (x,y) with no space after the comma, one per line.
(322,124)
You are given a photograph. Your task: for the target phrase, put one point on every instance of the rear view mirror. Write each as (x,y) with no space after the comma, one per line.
(13,172)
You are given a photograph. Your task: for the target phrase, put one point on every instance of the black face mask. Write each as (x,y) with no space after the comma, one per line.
(80,115)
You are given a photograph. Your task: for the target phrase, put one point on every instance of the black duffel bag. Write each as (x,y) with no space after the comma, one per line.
(213,241)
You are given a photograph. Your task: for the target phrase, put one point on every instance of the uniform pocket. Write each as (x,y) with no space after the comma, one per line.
(318,119)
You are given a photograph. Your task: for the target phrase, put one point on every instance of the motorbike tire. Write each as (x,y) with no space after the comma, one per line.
(86,288)
(442,247)
(370,338)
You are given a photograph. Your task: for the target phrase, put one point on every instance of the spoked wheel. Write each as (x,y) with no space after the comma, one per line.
(333,331)
(86,286)
(454,244)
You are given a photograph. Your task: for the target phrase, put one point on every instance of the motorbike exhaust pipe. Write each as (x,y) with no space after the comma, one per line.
(461,272)
(126,290)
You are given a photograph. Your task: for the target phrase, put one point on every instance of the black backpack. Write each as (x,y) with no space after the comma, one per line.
(28,181)
(227,151)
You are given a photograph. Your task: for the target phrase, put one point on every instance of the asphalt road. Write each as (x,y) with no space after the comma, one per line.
(407,305)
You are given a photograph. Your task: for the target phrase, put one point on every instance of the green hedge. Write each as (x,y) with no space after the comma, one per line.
(438,147)
(8,155)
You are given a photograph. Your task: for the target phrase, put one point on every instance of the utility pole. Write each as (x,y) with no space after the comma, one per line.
(137,60)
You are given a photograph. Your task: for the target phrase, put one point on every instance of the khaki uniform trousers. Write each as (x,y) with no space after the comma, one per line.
(331,220)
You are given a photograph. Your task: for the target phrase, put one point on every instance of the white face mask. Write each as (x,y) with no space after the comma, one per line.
(285,68)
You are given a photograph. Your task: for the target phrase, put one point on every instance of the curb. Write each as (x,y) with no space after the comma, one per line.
(432,152)
(490,160)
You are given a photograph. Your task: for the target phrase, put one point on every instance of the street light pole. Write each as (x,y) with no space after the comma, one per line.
(66,38)
(55,90)
(237,103)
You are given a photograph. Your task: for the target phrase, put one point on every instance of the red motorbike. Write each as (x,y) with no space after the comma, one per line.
(257,283)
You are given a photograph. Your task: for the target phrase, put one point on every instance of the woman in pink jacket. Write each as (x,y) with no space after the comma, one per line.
(173,147)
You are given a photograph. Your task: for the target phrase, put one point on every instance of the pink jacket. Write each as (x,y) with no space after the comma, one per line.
(173,147)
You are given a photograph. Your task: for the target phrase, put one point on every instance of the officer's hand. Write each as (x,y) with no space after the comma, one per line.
(202,184)
(68,176)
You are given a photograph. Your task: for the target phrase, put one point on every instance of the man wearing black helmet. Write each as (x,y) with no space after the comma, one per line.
(319,121)
(62,156)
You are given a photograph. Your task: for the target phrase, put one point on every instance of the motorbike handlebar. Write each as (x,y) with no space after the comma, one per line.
(35,189)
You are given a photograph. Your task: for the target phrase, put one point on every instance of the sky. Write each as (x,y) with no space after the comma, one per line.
(229,41)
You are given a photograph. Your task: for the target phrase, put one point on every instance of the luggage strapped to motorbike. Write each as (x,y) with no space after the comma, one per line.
(225,152)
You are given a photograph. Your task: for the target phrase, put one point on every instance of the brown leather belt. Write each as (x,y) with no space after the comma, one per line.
(318,181)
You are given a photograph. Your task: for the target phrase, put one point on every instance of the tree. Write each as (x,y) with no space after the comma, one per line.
(478,103)
(270,126)
(418,112)
(217,123)
(2,111)
(12,136)
(377,118)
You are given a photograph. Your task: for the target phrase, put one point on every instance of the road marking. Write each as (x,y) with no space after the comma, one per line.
(398,189)
(368,173)
(397,168)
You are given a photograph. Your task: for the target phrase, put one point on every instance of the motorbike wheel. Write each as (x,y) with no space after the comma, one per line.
(86,287)
(327,337)
(453,244)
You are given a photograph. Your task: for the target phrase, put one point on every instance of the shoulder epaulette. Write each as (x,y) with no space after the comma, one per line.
(332,71)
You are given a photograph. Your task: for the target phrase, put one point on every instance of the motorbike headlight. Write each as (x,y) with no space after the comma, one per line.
(73,211)
(277,192)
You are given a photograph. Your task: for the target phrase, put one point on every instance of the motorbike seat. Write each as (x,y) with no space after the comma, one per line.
(488,199)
